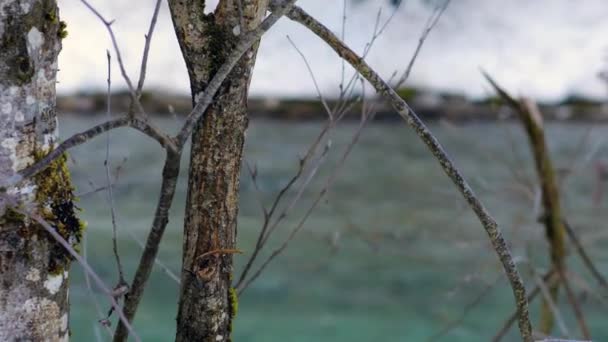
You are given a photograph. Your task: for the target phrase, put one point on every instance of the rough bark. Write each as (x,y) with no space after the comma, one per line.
(207,301)
(33,267)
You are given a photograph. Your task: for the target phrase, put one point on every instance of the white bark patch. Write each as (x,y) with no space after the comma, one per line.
(33,274)
(19,117)
(53,283)
(30,100)
(10,145)
(25,7)
(236,30)
(6,108)
(34,40)
(64,322)
(219,337)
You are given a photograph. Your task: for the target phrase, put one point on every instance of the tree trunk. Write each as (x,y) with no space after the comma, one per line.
(33,268)
(207,301)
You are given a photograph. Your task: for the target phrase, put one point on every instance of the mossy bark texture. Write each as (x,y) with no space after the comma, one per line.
(33,268)
(206,307)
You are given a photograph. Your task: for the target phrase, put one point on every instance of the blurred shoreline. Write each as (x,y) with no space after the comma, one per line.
(429,105)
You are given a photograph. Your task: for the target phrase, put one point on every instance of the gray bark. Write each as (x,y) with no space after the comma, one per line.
(33,267)
(207,300)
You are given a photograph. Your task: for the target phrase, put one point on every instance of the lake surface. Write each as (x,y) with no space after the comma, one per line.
(391,254)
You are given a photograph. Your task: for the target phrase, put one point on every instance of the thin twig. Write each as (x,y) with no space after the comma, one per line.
(548,278)
(578,312)
(343,36)
(585,257)
(430,24)
(144,58)
(314,79)
(545,290)
(157,261)
(87,279)
(465,311)
(303,220)
(269,226)
(106,164)
(123,71)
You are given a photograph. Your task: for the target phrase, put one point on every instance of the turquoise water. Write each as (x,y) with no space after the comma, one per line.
(391,255)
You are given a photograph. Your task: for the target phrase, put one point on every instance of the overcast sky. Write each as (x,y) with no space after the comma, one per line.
(542,48)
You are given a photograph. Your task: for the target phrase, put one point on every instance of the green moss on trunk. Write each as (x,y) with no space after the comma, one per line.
(56,203)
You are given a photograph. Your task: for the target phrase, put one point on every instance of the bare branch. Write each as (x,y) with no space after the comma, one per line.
(314,79)
(144,58)
(303,220)
(468,308)
(148,257)
(585,257)
(87,279)
(490,225)
(578,312)
(82,137)
(75,140)
(545,290)
(430,24)
(123,71)
(106,164)
(157,261)
(549,278)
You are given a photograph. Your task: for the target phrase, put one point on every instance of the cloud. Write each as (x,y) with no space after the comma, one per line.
(545,48)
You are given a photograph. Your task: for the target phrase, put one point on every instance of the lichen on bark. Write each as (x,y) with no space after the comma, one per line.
(33,273)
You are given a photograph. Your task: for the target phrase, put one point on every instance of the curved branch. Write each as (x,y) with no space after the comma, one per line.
(488,222)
